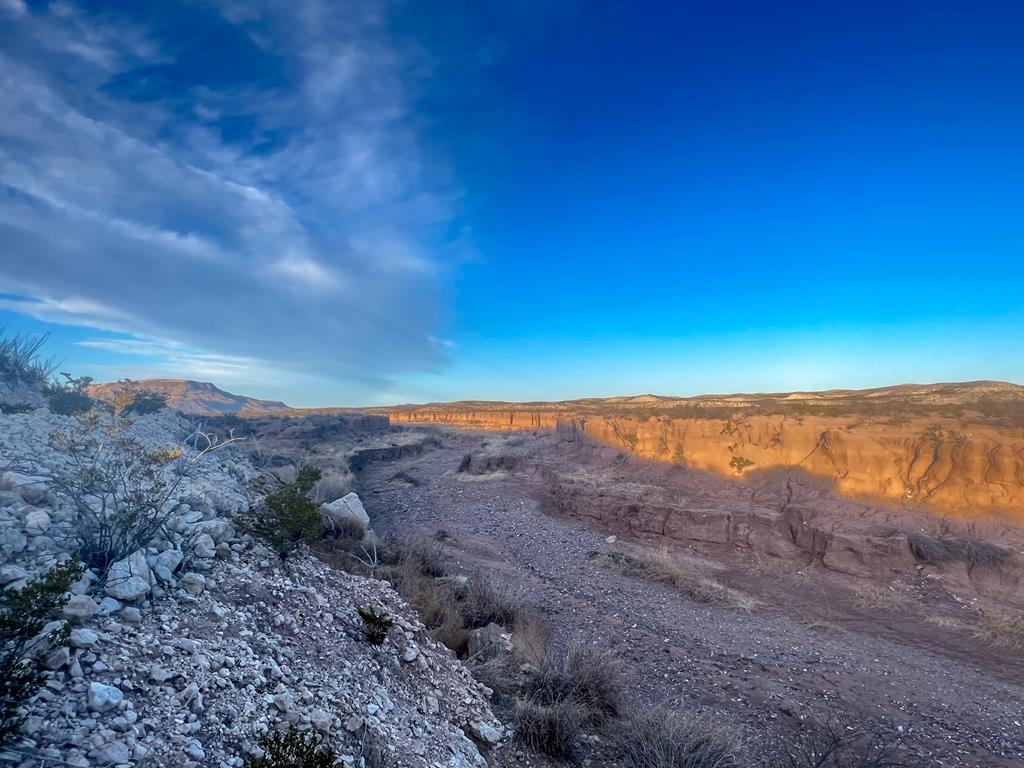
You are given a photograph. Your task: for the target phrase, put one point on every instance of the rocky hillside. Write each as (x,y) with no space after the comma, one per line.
(202,639)
(956,448)
(197,398)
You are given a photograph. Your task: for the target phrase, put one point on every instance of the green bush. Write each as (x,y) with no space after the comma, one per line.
(375,626)
(739,463)
(289,517)
(24,614)
(69,398)
(20,360)
(293,749)
(13,408)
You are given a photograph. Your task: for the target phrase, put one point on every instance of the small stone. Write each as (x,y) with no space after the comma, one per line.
(131,614)
(158,674)
(204,547)
(193,583)
(485,732)
(80,607)
(56,658)
(37,522)
(83,638)
(129,579)
(114,753)
(104,698)
(109,605)
(353,723)
(9,573)
(195,750)
(321,720)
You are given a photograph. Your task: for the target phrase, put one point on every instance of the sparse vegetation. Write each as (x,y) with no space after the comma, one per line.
(887,599)
(661,566)
(293,749)
(21,362)
(740,463)
(591,678)
(484,601)
(123,494)
(13,408)
(665,739)
(137,400)
(375,625)
(929,549)
(288,517)
(835,746)
(24,614)
(69,397)
(554,729)
(1001,627)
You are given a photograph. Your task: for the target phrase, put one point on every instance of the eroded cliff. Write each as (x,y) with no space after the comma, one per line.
(952,450)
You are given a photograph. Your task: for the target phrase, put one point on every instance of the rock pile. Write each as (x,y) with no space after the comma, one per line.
(200,642)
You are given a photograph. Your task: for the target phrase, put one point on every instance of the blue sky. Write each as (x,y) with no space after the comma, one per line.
(371,202)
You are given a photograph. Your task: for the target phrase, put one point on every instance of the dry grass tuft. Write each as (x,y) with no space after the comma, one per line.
(1001,627)
(872,597)
(553,729)
(662,567)
(487,600)
(665,739)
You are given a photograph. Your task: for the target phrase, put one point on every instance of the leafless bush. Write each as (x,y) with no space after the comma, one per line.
(553,729)
(666,739)
(123,493)
(983,554)
(834,746)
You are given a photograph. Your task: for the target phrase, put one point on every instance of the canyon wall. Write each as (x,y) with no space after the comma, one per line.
(951,465)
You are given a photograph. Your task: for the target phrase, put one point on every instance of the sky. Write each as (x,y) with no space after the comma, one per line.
(375,202)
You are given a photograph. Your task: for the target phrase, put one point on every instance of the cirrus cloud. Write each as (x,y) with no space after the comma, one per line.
(247,180)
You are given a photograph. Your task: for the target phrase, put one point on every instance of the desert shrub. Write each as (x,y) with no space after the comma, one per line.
(929,549)
(293,749)
(485,601)
(739,463)
(24,614)
(375,625)
(20,360)
(13,408)
(288,517)
(122,492)
(145,402)
(665,739)
(1001,627)
(464,465)
(590,678)
(553,729)
(662,567)
(69,397)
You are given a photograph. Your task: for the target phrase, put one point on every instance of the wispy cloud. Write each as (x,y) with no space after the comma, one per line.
(261,194)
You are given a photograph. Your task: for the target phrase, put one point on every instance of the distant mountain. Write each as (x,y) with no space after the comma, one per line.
(198,398)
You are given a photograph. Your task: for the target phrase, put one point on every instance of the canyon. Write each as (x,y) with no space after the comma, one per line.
(950,448)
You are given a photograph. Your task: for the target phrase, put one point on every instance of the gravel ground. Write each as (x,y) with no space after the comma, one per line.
(763,669)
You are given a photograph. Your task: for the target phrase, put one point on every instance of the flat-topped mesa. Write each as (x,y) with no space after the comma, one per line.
(953,448)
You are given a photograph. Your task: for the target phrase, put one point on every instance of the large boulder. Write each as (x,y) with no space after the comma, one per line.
(345,512)
(129,579)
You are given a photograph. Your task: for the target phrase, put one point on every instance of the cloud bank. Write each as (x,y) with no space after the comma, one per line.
(247,181)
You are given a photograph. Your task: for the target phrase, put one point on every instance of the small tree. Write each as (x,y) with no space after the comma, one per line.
(289,516)
(24,614)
